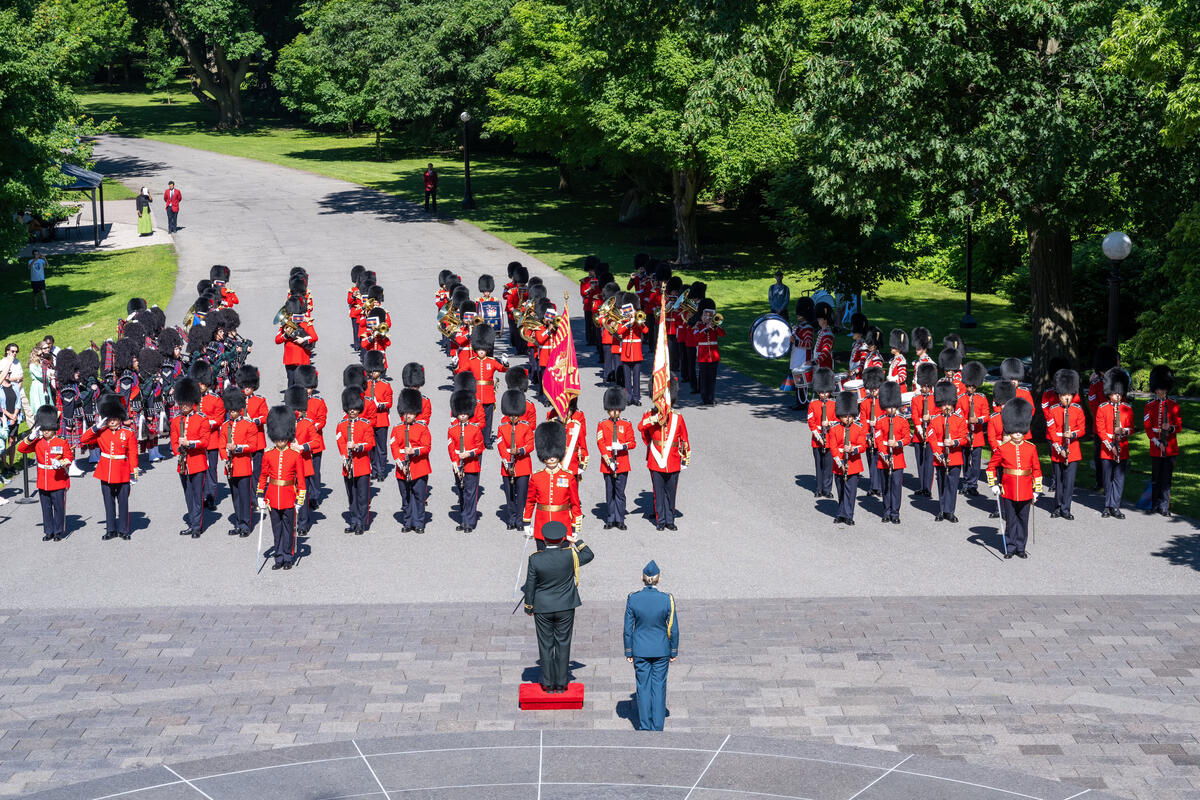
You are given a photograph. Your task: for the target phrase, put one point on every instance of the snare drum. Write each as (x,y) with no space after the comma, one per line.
(771,336)
(852,385)
(906,403)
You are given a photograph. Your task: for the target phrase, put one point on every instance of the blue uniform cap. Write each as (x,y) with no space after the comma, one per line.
(650,569)
(554,531)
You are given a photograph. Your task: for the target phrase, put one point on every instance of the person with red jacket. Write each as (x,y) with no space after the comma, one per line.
(214,412)
(375,337)
(973,407)
(355,438)
(1114,424)
(1065,427)
(411,446)
(823,348)
(950,363)
(53,455)
(847,446)
(413,377)
(576,459)
(171,199)
(430,179)
(298,337)
(513,301)
(668,451)
(239,438)
(517,378)
(219,275)
(1002,392)
(1015,475)
(1162,421)
(256,412)
(921,409)
(1013,369)
(543,337)
(307,440)
(897,369)
(189,442)
(281,484)
(553,494)
(1105,359)
(589,289)
(891,436)
(484,367)
(946,435)
(515,446)
(380,391)
(615,440)
(465,382)
(629,334)
(118,449)
(869,411)
(317,412)
(821,418)
(708,350)
(464,441)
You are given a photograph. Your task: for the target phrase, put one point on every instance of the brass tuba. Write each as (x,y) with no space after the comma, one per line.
(449,322)
(607,316)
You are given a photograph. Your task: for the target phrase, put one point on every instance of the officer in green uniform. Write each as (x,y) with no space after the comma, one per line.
(651,644)
(551,597)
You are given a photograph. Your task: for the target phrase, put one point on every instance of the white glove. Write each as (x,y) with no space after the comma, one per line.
(504,359)
(35,431)
(528,531)
(262,503)
(996,489)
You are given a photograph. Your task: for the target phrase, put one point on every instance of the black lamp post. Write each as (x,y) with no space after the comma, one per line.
(468,199)
(1116,246)
(968,320)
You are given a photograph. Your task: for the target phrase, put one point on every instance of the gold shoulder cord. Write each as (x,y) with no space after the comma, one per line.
(575,563)
(671,619)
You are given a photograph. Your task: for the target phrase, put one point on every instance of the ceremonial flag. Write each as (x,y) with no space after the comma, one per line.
(661,380)
(560,379)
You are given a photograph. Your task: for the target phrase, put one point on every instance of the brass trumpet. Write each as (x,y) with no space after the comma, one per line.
(448,323)
(607,316)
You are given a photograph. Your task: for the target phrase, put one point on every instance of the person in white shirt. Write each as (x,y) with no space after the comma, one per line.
(37,278)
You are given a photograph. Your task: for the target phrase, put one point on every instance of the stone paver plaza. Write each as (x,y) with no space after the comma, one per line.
(876,662)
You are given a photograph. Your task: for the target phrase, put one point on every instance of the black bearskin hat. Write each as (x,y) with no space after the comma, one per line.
(858,323)
(149,361)
(955,341)
(1116,381)
(374,361)
(872,377)
(922,339)
(483,338)
(110,407)
(1106,358)
(512,403)
(898,340)
(520,274)
(46,418)
(295,305)
(306,376)
(134,304)
(1017,415)
(675,285)
(512,268)
(247,377)
(89,364)
(296,399)
(352,399)
(135,331)
(873,337)
(1011,369)
(203,286)
(354,375)
(413,375)
(158,319)
(281,424)
(459,295)
(125,351)
(233,399)
(1003,391)
(465,382)
(65,366)
(201,372)
(707,304)
(537,291)
(358,269)
(375,293)
(168,340)
(890,395)
(468,307)
(1161,377)
(297,285)
(945,393)
(232,320)
(926,374)
(1066,381)
(218,272)
(550,439)
(614,399)
(823,311)
(949,360)
(823,381)
(486,284)
(517,378)
(846,404)
(409,402)
(443,276)
(188,391)
(610,290)
(542,307)
(462,402)
(974,373)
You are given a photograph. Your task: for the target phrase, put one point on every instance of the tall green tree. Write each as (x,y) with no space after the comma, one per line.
(941,99)
(84,35)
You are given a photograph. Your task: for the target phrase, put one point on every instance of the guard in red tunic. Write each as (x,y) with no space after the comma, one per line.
(354,298)
(517,378)
(281,484)
(921,409)
(973,407)
(950,363)
(615,440)
(298,337)
(708,350)
(189,443)
(947,436)
(484,367)
(1013,369)
(318,414)
(514,299)
(413,377)
(668,451)
(610,349)
(821,418)
(375,338)
(1162,422)
(847,445)
(544,336)
(589,290)
(1015,475)
(239,437)
(411,446)
(380,391)
(1114,425)
(219,275)
(553,493)
(118,450)
(256,411)
(53,455)
(824,342)
(576,459)
(307,440)
(1002,392)
(355,438)
(629,333)
(891,437)
(858,351)
(1105,359)
(515,445)
(869,413)
(897,367)
(1066,425)
(922,341)
(214,412)
(465,382)
(464,441)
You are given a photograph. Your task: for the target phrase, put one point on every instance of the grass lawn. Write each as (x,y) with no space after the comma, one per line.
(87,293)
(114,190)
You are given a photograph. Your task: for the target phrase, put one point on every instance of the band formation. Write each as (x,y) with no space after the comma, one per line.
(863,418)
(190,387)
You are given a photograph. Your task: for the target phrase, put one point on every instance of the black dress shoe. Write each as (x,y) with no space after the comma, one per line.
(125,536)
(244,534)
(1118,514)
(951,518)
(58,538)
(233,532)
(838,520)
(672,527)
(1022,554)
(1008,556)
(938,517)
(659,527)
(418,530)
(621,526)
(895,520)
(348,530)
(1165,512)
(993,514)
(1067,516)
(107,536)
(210,504)
(849,521)
(1106,513)
(608,526)
(468,529)
(186,532)
(1055,514)
(47,538)
(359,531)
(287,565)
(277,565)
(406,529)
(195,534)
(973,493)
(459,528)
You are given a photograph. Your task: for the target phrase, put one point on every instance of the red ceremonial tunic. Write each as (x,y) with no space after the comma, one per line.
(241,463)
(553,497)
(282,478)
(666,442)
(416,434)
(1160,414)
(1060,421)
(468,438)
(47,451)
(947,435)
(1016,466)
(899,434)
(514,442)
(196,460)
(820,419)
(118,453)
(847,443)
(1106,416)
(608,433)
(356,431)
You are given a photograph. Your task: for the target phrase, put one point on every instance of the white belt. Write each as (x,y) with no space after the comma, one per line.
(706,344)
(113,457)
(47,466)
(631,341)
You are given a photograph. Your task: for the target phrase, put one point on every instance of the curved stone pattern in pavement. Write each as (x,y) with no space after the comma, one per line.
(565,765)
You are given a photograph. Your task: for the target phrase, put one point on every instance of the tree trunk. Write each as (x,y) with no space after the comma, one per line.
(378,145)
(216,83)
(685,186)
(1050,287)
(564,178)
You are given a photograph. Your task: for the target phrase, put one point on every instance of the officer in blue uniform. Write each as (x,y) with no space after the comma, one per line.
(651,644)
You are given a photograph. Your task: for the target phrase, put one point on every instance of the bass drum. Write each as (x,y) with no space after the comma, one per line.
(771,336)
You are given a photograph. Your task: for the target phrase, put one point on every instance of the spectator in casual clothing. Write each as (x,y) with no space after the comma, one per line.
(779,296)
(37,279)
